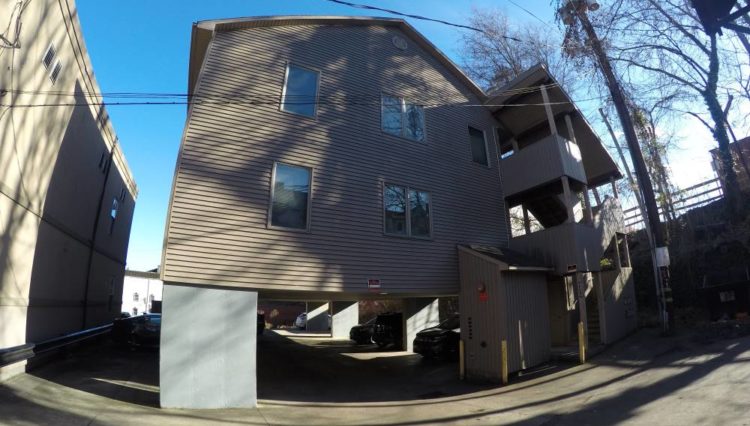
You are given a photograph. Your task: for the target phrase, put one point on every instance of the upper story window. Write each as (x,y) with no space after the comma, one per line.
(290,197)
(55,74)
(113,214)
(135,297)
(406,212)
(49,56)
(300,94)
(401,118)
(478,146)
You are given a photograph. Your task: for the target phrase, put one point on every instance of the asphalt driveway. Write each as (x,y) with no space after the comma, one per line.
(313,380)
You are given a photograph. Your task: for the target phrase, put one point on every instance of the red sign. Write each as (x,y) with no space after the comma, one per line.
(483,296)
(373,284)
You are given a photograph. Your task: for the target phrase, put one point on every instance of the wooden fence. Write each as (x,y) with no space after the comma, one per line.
(683,200)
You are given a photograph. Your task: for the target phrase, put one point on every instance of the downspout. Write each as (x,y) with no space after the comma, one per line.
(94,232)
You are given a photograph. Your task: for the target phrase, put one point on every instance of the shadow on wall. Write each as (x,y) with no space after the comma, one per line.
(335,143)
(59,273)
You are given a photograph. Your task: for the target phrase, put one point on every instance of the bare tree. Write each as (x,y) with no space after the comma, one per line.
(500,52)
(661,46)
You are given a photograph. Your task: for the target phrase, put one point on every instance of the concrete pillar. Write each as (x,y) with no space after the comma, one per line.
(317,316)
(571,134)
(526,221)
(419,313)
(344,316)
(208,348)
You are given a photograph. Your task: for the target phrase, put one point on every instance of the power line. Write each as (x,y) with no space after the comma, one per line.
(419,17)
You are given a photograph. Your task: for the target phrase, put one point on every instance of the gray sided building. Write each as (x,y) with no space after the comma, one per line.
(333,159)
(66,193)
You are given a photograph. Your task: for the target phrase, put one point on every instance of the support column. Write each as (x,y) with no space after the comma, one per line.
(568,199)
(548,110)
(317,316)
(344,316)
(208,348)
(587,203)
(581,284)
(596,196)
(614,187)
(526,222)
(419,313)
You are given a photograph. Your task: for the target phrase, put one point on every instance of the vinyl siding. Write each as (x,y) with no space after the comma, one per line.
(217,232)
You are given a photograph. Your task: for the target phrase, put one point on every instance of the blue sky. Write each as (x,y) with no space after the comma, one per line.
(143,46)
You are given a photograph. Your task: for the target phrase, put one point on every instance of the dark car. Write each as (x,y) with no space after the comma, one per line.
(388,330)
(362,333)
(138,331)
(147,331)
(441,341)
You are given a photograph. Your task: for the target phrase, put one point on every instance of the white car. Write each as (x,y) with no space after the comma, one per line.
(301,321)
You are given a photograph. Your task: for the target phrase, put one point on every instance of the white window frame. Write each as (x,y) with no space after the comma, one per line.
(403,118)
(269,218)
(317,90)
(408,212)
(486,148)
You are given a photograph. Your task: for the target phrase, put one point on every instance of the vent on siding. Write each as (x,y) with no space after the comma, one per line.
(55,72)
(49,56)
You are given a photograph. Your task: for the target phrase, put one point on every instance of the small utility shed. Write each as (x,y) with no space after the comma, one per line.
(503,296)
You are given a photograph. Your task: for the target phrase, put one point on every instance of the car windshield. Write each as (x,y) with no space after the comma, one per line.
(450,324)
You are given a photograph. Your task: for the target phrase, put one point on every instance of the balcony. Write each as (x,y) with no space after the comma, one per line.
(574,246)
(540,163)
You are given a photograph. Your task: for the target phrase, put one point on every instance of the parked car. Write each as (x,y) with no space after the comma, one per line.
(441,341)
(388,330)
(362,333)
(138,331)
(261,323)
(301,321)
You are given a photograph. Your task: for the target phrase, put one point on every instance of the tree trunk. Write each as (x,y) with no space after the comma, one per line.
(720,133)
(631,138)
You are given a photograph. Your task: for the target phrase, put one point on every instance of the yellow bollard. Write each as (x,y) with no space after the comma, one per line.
(504,361)
(581,342)
(461,365)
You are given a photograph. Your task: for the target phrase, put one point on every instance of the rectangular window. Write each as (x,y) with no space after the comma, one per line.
(290,197)
(395,210)
(478,146)
(55,74)
(49,56)
(300,94)
(113,214)
(413,221)
(400,118)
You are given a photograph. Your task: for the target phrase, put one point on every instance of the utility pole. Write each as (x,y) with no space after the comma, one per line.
(578,8)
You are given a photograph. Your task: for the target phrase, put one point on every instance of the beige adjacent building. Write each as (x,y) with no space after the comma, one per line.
(334,159)
(66,193)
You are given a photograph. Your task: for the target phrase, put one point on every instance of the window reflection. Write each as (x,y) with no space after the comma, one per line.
(300,91)
(291,190)
(419,211)
(395,210)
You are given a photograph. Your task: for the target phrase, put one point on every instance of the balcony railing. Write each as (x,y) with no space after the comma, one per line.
(539,163)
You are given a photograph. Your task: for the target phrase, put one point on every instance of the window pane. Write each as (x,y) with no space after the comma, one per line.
(392,115)
(291,190)
(414,122)
(394,202)
(419,205)
(301,91)
(478,149)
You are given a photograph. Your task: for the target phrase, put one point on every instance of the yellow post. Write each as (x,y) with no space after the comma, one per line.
(461,365)
(581,342)
(504,361)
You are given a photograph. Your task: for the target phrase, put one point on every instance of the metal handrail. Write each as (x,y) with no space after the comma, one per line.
(27,351)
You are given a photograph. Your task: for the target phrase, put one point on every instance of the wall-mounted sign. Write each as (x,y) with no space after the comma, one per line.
(572,268)
(482,292)
(373,284)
